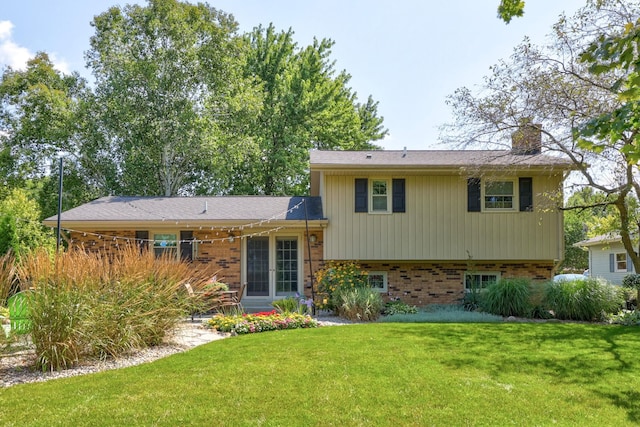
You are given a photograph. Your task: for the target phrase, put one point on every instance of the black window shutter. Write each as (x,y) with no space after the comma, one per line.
(473,195)
(361,195)
(526,194)
(142,238)
(398,202)
(186,245)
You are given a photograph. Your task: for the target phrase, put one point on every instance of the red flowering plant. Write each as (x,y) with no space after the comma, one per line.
(249,323)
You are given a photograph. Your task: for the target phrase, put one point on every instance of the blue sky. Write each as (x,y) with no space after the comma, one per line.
(408,54)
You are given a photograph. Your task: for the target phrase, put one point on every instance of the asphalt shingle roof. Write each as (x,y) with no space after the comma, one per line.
(221,208)
(434,159)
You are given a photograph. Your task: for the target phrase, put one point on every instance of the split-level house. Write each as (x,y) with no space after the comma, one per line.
(426,225)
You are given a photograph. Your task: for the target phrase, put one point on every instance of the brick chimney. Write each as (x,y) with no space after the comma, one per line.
(527,139)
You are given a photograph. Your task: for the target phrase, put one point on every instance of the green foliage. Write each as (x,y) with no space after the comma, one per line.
(260,322)
(509,9)
(297,304)
(180,93)
(171,69)
(588,299)
(472,299)
(20,228)
(358,303)
(84,305)
(625,317)
(37,114)
(507,297)
(583,210)
(631,281)
(398,307)
(335,276)
(304,104)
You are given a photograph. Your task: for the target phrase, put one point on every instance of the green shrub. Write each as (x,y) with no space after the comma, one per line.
(398,307)
(625,317)
(337,276)
(589,299)
(297,304)
(507,297)
(537,301)
(631,281)
(260,322)
(472,299)
(359,303)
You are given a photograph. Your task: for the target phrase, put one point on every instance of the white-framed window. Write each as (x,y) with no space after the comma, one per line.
(165,243)
(377,280)
(499,195)
(380,195)
(621,262)
(480,280)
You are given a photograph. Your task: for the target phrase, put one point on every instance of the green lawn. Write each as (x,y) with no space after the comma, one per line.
(370,374)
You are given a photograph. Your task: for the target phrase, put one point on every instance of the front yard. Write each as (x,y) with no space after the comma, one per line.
(366,374)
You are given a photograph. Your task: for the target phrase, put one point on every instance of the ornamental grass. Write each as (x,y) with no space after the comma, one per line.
(87,305)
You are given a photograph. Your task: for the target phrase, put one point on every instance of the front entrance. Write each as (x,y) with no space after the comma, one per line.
(272,268)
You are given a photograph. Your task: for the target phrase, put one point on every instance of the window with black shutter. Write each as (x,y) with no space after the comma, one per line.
(473,195)
(398,194)
(142,239)
(526,194)
(362,195)
(186,245)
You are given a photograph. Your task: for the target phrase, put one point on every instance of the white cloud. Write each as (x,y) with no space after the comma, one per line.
(5,29)
(10,53)
(17,56)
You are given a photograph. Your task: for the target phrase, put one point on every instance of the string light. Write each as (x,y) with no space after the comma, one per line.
(242,227)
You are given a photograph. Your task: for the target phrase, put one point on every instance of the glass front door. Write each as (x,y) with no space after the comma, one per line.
(258,267)
(286,266)
(272,266)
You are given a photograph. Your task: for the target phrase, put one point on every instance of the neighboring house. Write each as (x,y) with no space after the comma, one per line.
(608,258)
(426,225)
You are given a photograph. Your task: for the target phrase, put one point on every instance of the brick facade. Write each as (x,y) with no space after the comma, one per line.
(443,283)
(417,283)
(224,253)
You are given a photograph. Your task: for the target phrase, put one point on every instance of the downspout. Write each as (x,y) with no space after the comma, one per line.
(306,224)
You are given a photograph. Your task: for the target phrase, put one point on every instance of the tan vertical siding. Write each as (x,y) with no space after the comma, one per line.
(437,226)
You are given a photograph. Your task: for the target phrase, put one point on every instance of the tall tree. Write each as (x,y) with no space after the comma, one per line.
(579,87)
(305,104)
(20,227)
(164,75)
(37,119)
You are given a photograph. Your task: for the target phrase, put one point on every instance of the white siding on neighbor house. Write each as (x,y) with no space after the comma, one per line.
(600,262)
(436,224)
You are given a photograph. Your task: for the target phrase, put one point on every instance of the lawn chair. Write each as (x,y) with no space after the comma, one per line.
(230,301)
(19,313)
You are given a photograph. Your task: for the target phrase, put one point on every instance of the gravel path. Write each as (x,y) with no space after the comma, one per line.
(18,367)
